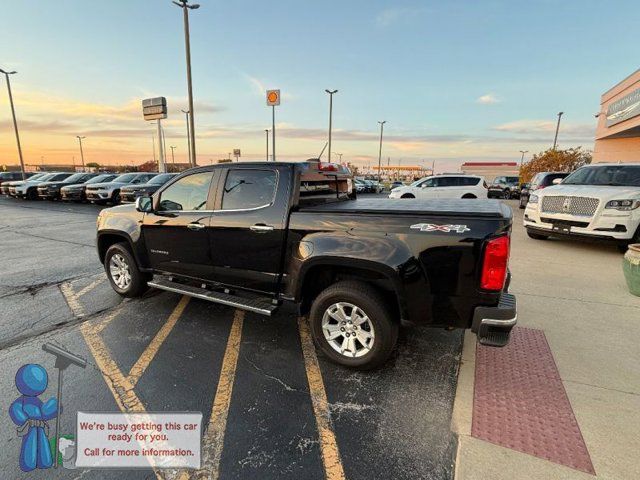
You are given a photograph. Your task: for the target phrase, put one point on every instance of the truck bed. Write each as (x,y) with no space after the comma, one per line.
(436,207)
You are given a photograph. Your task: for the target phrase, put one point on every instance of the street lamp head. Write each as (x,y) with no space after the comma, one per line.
(331,92)
(560,113)
(195,6)
(382,122)
(7,73)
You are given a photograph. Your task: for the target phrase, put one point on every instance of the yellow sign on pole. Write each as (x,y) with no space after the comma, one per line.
(273,97)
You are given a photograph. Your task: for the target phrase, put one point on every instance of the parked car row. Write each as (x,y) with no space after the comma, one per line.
(99,188)
(368,186)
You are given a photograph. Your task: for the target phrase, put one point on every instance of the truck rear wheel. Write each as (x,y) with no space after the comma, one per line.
(123,273)
(352,325)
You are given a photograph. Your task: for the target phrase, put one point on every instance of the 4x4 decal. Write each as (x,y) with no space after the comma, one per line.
(433,227)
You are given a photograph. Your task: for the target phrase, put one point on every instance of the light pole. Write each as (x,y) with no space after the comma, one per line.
(330,92)
(522,157)
(81,152)
(266,133)
(173,158)
(184,4)
(186,117)
(15,123)
(153,144)
(380,150)
(340,155)
(555,140)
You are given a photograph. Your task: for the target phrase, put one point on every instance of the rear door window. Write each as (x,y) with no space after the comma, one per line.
(469,181)
(246,189)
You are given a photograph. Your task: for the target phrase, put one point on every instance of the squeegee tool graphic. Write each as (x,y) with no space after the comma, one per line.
(63,360)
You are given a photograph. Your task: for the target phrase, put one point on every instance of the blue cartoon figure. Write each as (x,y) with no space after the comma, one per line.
(31,416)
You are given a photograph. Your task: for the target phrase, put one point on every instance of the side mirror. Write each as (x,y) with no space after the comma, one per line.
(144,204)
(556,181)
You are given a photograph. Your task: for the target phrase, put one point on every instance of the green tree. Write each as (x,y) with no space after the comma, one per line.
(555,161)
(93,165)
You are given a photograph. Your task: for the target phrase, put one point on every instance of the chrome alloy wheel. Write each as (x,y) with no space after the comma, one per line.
(348,329)
(119,271)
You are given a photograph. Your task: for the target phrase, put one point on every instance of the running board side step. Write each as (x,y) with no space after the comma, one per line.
(259,305)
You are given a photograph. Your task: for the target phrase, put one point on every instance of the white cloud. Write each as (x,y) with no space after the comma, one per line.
(528,127)
(390,16)
(488,99)
(256,85)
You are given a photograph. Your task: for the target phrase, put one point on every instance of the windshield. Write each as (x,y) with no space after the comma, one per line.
(615,175)
(162,178)
(126,178)
(74,178)
(37,176)
(417,182)
(512,179)
(45,177)
(101,179)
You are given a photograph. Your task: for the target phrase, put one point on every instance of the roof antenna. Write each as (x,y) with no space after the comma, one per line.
(323,148)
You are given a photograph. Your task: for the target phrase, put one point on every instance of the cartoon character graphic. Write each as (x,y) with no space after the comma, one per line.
(31,415)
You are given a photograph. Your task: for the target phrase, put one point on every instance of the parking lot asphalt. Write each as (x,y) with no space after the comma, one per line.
(272,408)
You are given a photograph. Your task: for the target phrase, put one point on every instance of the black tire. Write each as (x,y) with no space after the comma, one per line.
(624,246)
(115,200)
(408,195)
(469,195)
(537,236)
(506,194)
(371,302)
(138,280)
(32,194)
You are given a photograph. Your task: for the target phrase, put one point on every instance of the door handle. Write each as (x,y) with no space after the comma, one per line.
(195,226)
(261,228)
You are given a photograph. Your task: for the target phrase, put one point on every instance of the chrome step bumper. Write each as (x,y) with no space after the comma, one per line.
(260,305)
(493,325)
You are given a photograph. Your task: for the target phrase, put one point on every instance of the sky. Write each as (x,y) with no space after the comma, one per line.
(455,81)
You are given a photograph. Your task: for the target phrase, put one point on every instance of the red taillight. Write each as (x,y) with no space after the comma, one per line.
(494,263)
(327,167)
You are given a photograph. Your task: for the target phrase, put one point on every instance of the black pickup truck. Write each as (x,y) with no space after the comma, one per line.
(255,235)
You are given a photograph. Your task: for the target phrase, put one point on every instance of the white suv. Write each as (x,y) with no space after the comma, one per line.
(443,186)
(598,201)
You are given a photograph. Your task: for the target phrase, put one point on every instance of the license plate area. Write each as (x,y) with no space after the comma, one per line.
(560,228)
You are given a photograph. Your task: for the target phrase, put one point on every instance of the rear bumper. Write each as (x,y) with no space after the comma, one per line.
(493,325)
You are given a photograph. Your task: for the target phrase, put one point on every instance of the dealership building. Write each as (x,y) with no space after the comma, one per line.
(618,131)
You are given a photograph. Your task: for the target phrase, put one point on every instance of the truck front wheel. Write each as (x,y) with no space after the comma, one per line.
(123,273)
(352,325)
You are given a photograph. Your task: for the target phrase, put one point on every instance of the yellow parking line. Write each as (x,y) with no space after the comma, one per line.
(72,300)
(328,445)
(106,320)
(119,385)
(91,286)
(213,439)
(152,349)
